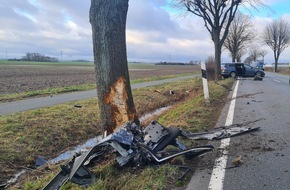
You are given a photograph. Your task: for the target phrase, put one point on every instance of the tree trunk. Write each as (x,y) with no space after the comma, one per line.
(108,20)
(218,52)
(276,65)
(276,58)
(233,58)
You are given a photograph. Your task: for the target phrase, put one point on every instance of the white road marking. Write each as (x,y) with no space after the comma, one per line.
(276,80)
(218,173)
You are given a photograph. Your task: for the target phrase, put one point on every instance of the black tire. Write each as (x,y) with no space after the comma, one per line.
(258,74)
(233,74)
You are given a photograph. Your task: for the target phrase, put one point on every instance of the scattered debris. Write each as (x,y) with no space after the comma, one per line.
(2,186)
(78,106)
(257,100)
(237,161)
(40,161)
(132,145)
(219,133)
(266,149)
(223,131)
(258,78)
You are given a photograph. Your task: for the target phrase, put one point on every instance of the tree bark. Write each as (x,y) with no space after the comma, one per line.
(233,58)
(108,21)
(218,52)
(276,58)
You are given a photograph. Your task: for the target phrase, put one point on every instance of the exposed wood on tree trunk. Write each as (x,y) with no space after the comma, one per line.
(108,20)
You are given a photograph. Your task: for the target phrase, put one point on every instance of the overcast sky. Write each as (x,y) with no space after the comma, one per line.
(154,32)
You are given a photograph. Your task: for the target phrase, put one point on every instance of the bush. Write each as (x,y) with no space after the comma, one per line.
(210,68)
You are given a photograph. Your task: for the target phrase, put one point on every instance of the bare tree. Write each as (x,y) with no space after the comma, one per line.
(277,36)
(254,53)
(239,54)
(249,59)
(239,37)
(217,16)
(108,20)
(263,53)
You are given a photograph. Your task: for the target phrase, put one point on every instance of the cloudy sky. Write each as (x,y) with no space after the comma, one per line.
(154,31)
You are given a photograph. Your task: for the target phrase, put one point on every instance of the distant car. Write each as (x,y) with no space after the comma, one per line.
(240,69)
(258,65)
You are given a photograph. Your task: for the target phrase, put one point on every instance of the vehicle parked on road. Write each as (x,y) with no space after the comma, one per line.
(240,69)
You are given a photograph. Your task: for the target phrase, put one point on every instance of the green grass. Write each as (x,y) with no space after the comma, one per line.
(193,114)
(45,92)
(148,79)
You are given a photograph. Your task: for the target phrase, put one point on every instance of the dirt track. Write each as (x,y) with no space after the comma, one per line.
(24,78)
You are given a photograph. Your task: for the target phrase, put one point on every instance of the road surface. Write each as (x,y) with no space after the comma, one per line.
(34,103)
(264,155)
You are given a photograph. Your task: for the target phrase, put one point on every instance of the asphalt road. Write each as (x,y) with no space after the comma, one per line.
(34,103)
(265,154)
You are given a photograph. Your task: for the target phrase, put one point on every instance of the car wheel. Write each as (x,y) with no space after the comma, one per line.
(258,74)
(233,75)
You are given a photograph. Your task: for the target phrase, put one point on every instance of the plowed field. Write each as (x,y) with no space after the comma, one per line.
(24,78)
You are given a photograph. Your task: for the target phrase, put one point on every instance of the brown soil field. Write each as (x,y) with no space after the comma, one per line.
(25,78)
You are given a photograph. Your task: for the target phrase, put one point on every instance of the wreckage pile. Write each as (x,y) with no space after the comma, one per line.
(133,145)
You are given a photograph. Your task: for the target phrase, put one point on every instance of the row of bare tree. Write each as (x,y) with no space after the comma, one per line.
(231,30)
(242,39)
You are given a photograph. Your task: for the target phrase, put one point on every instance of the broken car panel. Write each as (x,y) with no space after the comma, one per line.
(219,133)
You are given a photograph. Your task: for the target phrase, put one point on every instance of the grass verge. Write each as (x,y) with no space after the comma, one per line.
(47,132)
(284,71)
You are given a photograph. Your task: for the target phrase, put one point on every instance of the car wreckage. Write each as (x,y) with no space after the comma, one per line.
(131,144)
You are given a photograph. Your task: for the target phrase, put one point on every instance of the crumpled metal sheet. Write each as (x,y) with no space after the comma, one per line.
(219,133)
(154,132)
(123,136)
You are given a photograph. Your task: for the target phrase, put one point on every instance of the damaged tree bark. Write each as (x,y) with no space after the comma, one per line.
(108,20)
